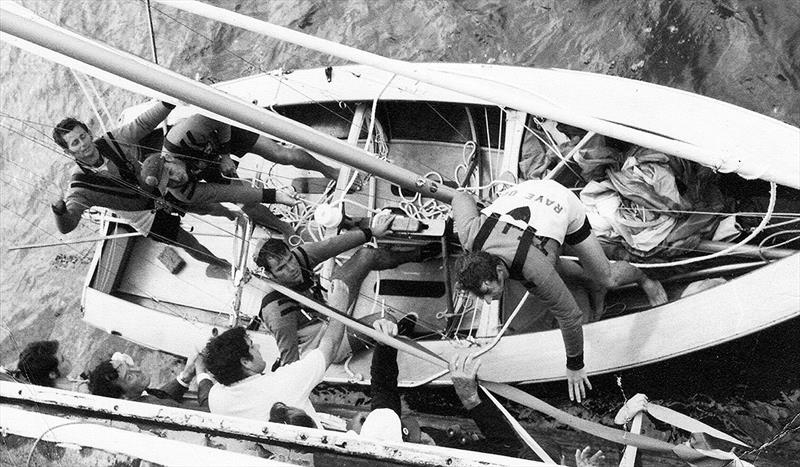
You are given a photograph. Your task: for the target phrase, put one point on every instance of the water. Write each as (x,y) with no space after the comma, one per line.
(743,52)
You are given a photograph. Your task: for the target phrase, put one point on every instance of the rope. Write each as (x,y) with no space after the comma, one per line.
(761,226)
(89,98)
(36,442)
(152,32)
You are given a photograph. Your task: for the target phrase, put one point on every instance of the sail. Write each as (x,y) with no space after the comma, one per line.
(713,133)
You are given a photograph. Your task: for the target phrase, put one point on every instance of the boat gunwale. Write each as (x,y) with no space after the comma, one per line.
(251,430)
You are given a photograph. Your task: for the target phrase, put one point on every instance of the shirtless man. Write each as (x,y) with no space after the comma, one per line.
(519,236)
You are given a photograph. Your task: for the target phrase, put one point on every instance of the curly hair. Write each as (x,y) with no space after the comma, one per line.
(272,248)
(37,361)
(65,126)
(282,413)
(102,381)
(474,268)
(223,356)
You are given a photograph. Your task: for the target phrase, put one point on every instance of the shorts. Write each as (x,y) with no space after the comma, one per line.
(165,227)
(242,141)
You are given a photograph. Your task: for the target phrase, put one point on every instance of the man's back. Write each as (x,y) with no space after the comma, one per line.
(254,396)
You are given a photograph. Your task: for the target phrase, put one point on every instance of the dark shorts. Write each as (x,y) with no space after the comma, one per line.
(242,141)
(165,227)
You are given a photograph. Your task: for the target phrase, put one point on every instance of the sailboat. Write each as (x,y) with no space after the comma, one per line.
(409,122)
(460,139)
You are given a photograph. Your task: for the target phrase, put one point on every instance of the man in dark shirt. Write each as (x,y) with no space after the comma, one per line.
(295,269)
(119,377)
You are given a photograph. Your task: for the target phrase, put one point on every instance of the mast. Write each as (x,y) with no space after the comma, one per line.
(496,92)
(165,82)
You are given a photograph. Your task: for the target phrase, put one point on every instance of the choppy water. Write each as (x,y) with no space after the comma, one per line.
(744,52)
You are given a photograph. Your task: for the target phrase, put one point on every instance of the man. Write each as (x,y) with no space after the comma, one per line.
(114,156)
(41,363)
(236,363)
(107,176)
(245,390)
(119,377)
(385,421)
(206,144)
(295,269)
(169,174)
(519,237)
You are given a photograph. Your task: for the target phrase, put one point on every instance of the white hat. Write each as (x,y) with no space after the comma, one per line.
(383,424)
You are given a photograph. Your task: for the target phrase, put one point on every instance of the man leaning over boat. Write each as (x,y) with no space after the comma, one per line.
(519,236)
(107,175)
(294,268)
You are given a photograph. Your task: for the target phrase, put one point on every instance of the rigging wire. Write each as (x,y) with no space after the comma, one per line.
(100,120)
(154,50)
(756,231)
(143,293)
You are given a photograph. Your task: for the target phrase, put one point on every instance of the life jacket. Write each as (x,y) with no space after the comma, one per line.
(132,191)
(508,210)
(110,150)
(197,155)
(110,186)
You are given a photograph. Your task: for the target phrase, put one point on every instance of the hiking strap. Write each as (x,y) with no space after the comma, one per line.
(525,242)
(527,239)
(102,184)
(484,231)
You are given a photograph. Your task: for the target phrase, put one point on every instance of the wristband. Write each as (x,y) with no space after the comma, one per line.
(268,195)
(367,233)
(168,105)
(180,381)
(575,363)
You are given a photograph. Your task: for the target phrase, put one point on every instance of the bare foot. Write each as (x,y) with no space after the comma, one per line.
(655,291)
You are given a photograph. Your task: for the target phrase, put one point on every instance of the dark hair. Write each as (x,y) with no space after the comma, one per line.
(474,268)
(103,379)
(282,413)
(223,356)
(37,361)
(272,248)
(65,126)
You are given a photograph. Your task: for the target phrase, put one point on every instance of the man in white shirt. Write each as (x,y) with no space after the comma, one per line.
(245,389)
